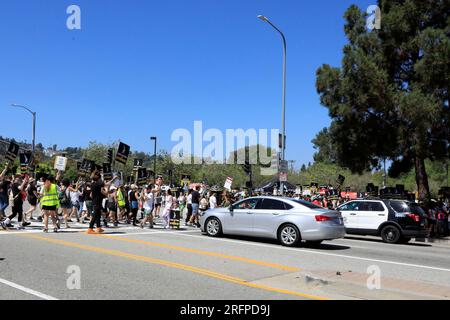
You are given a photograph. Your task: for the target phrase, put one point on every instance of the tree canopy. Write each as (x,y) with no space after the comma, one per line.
(390,97)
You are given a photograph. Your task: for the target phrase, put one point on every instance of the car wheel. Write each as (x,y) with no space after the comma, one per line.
(390,234)
(213,227)
(313,244)
(289,235)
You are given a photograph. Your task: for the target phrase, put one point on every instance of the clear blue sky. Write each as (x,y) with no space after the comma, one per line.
(141,68)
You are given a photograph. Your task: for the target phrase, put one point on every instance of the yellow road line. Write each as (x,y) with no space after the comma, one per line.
(206,253)
(170,264)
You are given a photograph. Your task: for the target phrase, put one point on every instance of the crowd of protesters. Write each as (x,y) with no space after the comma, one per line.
(108,204)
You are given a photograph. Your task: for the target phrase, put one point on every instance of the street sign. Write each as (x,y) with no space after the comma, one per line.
(228,183)
(282,177)
(122,153)
(13,151)
(60,163)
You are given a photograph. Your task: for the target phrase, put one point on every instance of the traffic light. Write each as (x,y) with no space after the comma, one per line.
(110,156)
(247,167)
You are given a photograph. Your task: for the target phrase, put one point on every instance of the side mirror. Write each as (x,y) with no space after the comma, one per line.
(231,208)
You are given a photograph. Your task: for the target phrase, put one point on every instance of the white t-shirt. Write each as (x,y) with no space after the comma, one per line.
(189,199)
(212,202)
(74,196)
(168,202)
(148,203)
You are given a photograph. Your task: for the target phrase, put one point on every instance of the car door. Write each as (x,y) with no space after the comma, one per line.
(374,213)
(349,213)
(240,219)
(266,216)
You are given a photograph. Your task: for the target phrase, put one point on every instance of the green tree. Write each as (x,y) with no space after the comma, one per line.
(390,98)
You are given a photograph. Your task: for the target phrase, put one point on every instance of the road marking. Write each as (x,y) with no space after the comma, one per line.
(170,264)
(206,253)
(27,290)
(317,252)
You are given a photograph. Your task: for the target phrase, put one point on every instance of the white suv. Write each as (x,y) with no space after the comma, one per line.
(394,220)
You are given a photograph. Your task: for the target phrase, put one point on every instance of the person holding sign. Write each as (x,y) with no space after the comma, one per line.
(148,200)
(100,190)
(4,185)
(16,198)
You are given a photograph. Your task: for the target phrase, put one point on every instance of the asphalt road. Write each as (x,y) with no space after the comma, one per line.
(133,263)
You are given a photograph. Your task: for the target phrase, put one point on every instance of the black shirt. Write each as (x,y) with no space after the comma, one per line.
(4,186)
(18,201)
(195,197)
(97,195)
(31,193)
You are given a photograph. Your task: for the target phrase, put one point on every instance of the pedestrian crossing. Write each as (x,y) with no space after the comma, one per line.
(74,227)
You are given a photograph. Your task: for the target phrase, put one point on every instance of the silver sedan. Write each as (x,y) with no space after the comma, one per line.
(288,220)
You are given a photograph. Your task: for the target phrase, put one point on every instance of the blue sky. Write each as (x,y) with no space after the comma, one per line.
(142,68)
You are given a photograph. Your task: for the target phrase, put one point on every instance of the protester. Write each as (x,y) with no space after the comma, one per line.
(212,201)
(16,198)
(87,205)
(65,202)
(49,202)
(195,206)
(167,208)
(98,193)
(112,206)
(4,187)
(32,197)
(148,199)
(133,196)
(189,208)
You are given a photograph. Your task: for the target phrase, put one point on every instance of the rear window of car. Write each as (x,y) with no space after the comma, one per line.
(404,206)
(307,204)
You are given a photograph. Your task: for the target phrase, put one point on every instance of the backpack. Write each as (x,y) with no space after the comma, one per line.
(64,198)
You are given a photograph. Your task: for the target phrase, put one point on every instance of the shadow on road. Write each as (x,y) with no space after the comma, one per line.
(381,241)
(303,245)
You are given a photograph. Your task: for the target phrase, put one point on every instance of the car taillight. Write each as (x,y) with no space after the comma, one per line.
(321,218)
(413,216)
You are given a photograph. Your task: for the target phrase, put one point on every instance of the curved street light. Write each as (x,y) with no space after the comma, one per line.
(283,138)
(34,123)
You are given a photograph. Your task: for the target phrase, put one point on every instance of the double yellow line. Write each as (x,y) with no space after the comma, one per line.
(205,253)
(170,264)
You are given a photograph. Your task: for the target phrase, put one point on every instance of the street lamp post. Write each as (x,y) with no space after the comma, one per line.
(154,160)
(283,129)
(34,124)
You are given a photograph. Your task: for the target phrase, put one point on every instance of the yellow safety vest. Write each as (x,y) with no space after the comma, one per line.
(50,198)
(120,198)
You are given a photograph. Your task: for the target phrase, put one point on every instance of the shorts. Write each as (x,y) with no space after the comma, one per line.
(32,202)
(76,205)
(147,212)
(134,205)
(66,206)
(195,209)
(49,208)
(112,206)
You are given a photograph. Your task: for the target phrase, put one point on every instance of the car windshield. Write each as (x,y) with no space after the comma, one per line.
(307,204)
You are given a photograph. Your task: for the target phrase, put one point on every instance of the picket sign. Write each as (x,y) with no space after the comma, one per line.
(60,163)
(228,183)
